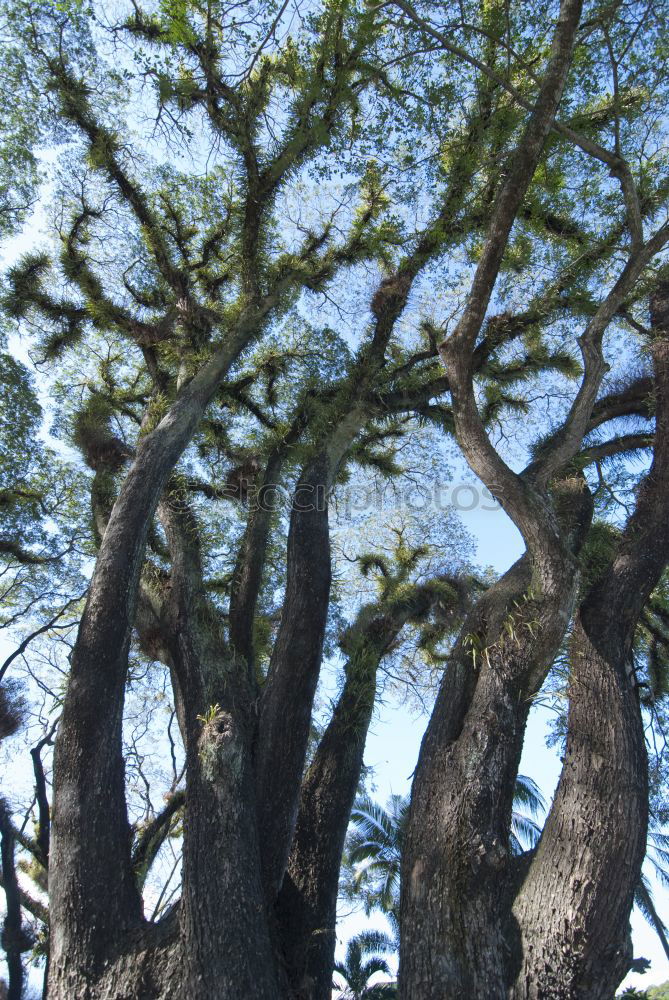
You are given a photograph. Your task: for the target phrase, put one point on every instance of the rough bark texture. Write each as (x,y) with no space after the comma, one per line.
(579,947)
(307,904)
(250,565)
(225,933)
(225,936)
(572,916)
(289,692)
(147,965)
(93,896)
(458,938)
(456,855)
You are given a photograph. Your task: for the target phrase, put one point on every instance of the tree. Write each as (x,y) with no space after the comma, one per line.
(453,890)
(373,854)
(292,249)
(363,961)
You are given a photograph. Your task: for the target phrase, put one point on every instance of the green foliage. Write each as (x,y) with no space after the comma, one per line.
(597,553)
(651,645)
(20,420)
(660,992)
(94,437)
(26,125)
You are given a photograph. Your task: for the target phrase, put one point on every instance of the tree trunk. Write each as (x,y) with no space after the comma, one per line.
(307,904)
(288,696)
(456,857)
(225,934)
(251,563)
(579,947)
(225,931)
(14,939)
(94,900)
(571,916)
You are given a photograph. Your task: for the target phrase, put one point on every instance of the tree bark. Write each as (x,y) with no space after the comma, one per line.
(287,700)
(307,904)
(251,563)
(456,855)
(579,947)
(571,916)
(225,935)
(93,896)
(14,939)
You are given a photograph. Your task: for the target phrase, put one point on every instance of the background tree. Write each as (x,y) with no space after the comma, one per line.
(363,962)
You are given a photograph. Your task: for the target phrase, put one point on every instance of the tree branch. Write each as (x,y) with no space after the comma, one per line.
(152,836)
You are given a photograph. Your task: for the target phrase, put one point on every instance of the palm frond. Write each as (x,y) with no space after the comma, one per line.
(528,794)
(371,942)
(380,991)
(374,965)
(525,830)
(515,845)
(643,898)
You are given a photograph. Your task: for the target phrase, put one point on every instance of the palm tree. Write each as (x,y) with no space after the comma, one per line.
(529,804)
(363,960)
(374,854)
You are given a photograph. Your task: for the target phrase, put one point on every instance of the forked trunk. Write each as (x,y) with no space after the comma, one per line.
(456,861)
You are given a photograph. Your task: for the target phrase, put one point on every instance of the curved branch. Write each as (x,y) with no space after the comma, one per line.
(44,828)
(23,645)
(152,837)
(523,505)
(617,164)
(565,444)
(616,446)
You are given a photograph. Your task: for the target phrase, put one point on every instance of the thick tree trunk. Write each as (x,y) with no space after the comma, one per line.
(571,916)
(307,904)
(94,901)
(288,696)
(456,853)
(250,563)
(456,858)
(225,933)
(579,946)
(455,878)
